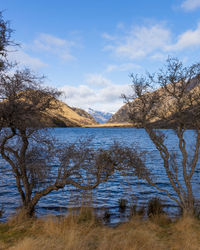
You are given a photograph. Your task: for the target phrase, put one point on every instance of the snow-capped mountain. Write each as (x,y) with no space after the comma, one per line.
(99,116)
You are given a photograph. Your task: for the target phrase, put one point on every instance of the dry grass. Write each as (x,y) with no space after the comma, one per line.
(85,232)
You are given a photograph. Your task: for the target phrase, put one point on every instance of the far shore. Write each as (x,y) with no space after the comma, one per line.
(110,125)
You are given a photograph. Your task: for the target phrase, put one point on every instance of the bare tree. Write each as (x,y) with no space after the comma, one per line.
(5,42)
(40,167)
(174,105)
(23,99)
(38,162)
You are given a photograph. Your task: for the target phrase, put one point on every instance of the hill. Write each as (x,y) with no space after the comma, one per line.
(167,107)
(84,114)
(66,116)
(121,116)
(26,109)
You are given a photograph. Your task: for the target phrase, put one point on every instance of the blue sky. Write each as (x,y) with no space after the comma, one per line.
(88,48)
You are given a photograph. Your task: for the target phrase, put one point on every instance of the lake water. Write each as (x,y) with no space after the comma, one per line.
(107,195)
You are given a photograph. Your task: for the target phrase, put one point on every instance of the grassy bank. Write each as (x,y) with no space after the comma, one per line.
(85,232)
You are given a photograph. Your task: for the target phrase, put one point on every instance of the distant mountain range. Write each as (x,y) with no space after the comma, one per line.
(99,116)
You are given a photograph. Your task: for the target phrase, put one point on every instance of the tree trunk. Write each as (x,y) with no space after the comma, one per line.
(27,211)
(188,208)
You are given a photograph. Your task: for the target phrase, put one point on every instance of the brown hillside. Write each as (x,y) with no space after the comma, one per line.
(66,116)
(61,115)
(84,114)
(122,115)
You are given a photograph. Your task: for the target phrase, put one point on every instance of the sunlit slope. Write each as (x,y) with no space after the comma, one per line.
(167,108)
(84,114)
(37,109)
(65,116)
(121,116)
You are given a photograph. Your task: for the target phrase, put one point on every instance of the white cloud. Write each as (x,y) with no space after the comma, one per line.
(25,60)
(45,42)
(108,36)
(190,5)
(189,38)
(97,80)
(153,42)
(140,42)
(55,46)
(122,67)
(120,25)
(107,98)
(159,56)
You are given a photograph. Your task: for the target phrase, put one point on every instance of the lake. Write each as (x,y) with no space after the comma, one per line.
(107,195)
